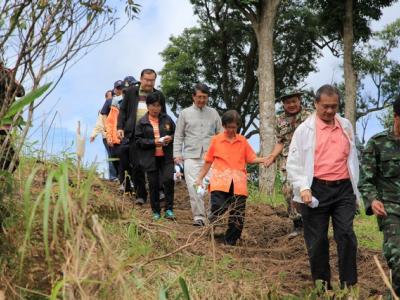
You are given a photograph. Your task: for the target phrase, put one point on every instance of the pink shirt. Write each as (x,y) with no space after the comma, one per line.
(331,152)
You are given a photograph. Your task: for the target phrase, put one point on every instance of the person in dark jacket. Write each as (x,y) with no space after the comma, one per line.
(132,108)
(154,136)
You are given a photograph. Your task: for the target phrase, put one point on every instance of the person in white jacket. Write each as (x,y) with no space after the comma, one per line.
(322,166)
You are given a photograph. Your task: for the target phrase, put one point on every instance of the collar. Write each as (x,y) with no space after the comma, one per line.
(199,109)
(322,125)
(225,138)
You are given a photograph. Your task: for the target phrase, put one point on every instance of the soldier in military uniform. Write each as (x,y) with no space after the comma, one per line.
(9,88)
(292,116)
(380,189)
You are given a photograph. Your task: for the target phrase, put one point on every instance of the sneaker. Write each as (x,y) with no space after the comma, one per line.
(169,214)
(198,223)
(295,232)
(121,188)
(156,216)
(139,201)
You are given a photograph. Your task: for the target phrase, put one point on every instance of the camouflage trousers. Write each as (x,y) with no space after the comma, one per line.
(390,227)
(292,207)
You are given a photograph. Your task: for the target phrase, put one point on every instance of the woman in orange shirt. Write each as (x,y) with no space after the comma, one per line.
(228,154)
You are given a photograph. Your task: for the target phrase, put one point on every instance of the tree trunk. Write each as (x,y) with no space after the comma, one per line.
(266,79)
(349,74)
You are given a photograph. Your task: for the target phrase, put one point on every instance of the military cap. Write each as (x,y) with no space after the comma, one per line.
(287,93)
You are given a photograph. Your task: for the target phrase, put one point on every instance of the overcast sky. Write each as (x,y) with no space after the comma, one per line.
(80,94)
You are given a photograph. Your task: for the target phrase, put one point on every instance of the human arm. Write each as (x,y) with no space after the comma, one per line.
(203,172)
(98,128)
(143,140)
(274,154)
(295,166)
(122,116)
(367,184)
(179,137)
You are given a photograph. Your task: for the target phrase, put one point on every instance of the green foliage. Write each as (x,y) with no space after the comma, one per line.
(377,65)
(222,52)
(329,17)
(19,105)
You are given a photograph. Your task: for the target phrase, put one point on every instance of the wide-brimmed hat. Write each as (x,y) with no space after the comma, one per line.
(287,93)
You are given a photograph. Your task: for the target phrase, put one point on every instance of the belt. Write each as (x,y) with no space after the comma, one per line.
(330,182)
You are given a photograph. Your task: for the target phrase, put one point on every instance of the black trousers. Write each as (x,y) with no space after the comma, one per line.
(125,167)
(162,176)
(336,201)
(222,201)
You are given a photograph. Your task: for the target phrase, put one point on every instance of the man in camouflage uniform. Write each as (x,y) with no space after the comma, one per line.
(380,189)
(292,116)
(8,89)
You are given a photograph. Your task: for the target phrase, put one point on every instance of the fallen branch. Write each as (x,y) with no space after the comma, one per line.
(384,278)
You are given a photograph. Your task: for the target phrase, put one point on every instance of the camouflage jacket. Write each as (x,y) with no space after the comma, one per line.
(380,170)
(285,127)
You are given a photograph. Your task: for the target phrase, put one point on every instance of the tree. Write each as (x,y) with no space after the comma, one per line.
(43,37)
(378,66)
(223,53)
(342,24)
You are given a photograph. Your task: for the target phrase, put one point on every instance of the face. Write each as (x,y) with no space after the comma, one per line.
(200,99)
(231,129)
(109,95)
(154,109)
(292,105)
(118,91)
(327,107)
(147,82)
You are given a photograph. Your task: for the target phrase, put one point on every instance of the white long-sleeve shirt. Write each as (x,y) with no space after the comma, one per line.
(300,162)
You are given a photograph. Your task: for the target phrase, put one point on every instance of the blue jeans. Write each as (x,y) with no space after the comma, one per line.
(112,165)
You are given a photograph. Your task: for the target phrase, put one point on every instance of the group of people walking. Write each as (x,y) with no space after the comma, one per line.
(315,153)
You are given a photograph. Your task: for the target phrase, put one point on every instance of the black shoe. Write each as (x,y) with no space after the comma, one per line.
(230,242)
(198,223)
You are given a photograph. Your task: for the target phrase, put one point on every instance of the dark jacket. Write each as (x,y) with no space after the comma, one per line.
(144,136)
(128,110)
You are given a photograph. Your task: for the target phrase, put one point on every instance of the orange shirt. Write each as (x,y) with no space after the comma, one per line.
(331,152)
(154,122)
(229,160)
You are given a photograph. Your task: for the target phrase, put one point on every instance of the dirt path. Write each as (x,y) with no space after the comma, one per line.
(265,247)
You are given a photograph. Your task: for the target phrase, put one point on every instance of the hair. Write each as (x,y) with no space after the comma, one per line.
(231,116)
(109,91)
(153,97)
(202,88)
(396,106)
(148,71)
(328,90)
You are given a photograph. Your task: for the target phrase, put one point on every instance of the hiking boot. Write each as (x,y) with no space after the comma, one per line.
(169,214)
(198,223)
(139,201)
(156,216)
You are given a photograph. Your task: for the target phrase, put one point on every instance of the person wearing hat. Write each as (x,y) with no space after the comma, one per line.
(380,189)
(129,81)
(286,122)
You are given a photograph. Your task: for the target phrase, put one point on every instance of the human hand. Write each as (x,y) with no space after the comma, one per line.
(92,139)
(198,182)
(178,160)
(120,133)
(378,208)
(306,196)
(269,160)
(167,139)
(158,143)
